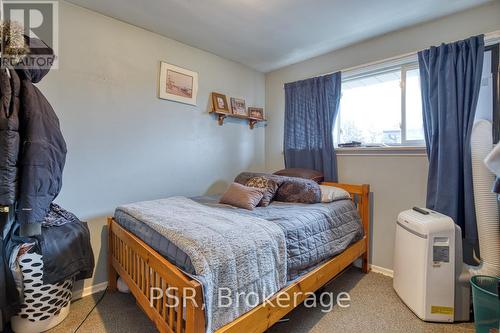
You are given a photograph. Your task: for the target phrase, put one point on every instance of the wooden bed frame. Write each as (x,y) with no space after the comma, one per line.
(142,268)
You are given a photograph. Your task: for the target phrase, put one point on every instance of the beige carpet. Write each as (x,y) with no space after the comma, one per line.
(374,308)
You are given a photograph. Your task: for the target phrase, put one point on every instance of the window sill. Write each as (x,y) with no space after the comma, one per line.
(382,151)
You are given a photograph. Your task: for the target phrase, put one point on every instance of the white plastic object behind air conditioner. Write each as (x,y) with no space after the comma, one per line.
(488,226)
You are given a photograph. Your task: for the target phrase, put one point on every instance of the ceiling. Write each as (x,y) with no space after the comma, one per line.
(269,34)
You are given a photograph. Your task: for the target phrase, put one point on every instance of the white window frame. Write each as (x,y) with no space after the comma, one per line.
(404,141)
(404,65)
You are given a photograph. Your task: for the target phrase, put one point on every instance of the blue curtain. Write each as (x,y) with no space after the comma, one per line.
(450,78)
(311,107)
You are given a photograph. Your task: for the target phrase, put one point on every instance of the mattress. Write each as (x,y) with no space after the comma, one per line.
(314,232)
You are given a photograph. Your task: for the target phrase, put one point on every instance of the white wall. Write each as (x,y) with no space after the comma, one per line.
(397,182)
(125,144)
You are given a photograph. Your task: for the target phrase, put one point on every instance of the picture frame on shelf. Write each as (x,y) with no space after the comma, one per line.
(257,113)
(238,107)
(219,103)
(177,84)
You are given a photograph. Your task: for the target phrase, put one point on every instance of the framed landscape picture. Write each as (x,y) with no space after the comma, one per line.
(178,84)
(238,106)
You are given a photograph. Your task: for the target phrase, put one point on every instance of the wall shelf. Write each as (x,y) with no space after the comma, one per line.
(251,120)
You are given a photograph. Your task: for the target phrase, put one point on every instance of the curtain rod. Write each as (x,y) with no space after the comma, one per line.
(489,38)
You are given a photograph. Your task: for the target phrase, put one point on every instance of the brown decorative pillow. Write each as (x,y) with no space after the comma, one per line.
(242,196)
(298,190)
(290,189)
(244,177)
(269,185)
(317,176)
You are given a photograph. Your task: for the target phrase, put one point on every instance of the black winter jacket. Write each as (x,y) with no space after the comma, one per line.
(43,149)
(9,135)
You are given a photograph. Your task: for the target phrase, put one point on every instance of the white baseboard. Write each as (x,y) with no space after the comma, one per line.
(382,270)
(87,291)
(376,269)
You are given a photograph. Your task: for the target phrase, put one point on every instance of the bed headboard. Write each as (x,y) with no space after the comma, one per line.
(315,175)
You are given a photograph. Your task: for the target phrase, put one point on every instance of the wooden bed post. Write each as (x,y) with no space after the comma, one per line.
(365,217)
(112,274)
(195,313)
(362,194)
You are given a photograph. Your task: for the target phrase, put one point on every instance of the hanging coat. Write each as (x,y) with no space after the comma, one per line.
(9,136)
(43,149)
(9,153)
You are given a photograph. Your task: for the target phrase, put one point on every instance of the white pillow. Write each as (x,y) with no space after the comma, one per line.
(331,193)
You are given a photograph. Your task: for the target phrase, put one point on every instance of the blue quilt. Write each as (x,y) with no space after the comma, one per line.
(314,233)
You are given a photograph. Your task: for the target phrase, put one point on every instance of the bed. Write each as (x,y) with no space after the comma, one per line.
(144,260)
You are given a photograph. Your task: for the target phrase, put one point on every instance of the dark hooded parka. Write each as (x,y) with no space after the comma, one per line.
(43,149)
(10,144)
(32,148)
(13,49)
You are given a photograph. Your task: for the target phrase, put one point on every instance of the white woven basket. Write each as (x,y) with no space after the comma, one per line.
(45,305)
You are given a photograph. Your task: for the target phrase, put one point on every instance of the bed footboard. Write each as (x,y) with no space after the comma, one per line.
(169,298)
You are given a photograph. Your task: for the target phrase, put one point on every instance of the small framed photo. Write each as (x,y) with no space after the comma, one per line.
(219,102)
(238,106)
(178,84)
(257,113)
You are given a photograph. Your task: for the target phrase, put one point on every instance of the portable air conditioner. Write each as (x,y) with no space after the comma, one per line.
(428,266)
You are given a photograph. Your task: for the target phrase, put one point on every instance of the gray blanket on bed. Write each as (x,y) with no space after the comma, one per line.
(235,254)
(313,232)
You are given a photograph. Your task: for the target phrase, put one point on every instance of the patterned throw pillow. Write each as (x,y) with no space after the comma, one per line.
(298,190)
(245,176)
(269,185)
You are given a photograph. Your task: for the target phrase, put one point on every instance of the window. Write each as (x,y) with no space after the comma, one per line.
(488,106)
(381,107)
